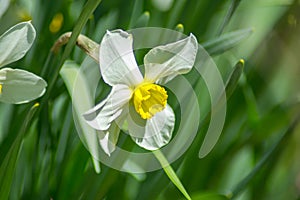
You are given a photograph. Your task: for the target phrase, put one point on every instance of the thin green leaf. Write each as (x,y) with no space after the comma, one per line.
(107,22)
(226,41)
(82,101)
(234,78)
(143,20)
(170,172)
(175,12)
(209,196)
(7,169)
(87,11)
(274,151)
(212,137)
(252,108)
(232,8)
(137,10)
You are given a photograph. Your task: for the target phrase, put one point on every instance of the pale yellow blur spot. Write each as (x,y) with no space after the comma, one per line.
(0,88)
(56,23)
(292,20)
(147,13)
(92,17)
(24,15)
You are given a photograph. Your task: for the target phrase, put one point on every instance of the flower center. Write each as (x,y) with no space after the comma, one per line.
(149,99)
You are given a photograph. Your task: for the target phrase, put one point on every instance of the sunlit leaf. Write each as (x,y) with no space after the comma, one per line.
(170,172)
(82,101)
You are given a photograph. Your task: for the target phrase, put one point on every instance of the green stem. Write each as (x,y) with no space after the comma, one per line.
(87,11)
(170,172)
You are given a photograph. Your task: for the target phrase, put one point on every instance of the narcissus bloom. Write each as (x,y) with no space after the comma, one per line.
(140,101)
(16,85)
(19,86)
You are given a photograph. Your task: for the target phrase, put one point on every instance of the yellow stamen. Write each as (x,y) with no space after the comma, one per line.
(0,88)
(149,99)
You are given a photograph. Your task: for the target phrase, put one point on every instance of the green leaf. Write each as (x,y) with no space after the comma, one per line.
(78,88)
(19,86)
(275,151)
(170,172)
(4,5)
(234,78)
(86,13)
(175,13)
(209,196)
(143,20)
(15,42)
(226,41)
(211,138)
(136,12)
(232,8)
(162,5)
(252,107)
(7,168)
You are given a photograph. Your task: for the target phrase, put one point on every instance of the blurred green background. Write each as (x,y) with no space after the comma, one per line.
(257,156)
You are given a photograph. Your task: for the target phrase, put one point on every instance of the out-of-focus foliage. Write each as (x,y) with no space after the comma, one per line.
(257,155)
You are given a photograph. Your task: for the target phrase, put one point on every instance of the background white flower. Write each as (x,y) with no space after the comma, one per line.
(16,85)
(142,102)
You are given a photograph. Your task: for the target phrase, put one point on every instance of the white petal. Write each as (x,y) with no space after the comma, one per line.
(101,116)
(156,133)
(117,61)
(20,86)
(163,63)
(15,42)
(108,139)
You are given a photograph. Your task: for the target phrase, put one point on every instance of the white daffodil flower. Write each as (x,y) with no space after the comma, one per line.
(141,101)
(19,86)
(16,85)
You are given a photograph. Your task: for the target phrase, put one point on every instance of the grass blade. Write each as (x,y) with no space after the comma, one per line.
(226,41)
(232,8)
(87,11)
(234,78)
(277,147)
(7,169)
(170,173)
(81,99)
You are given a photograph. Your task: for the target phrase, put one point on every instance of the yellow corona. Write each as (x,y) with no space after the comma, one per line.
(149,99)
